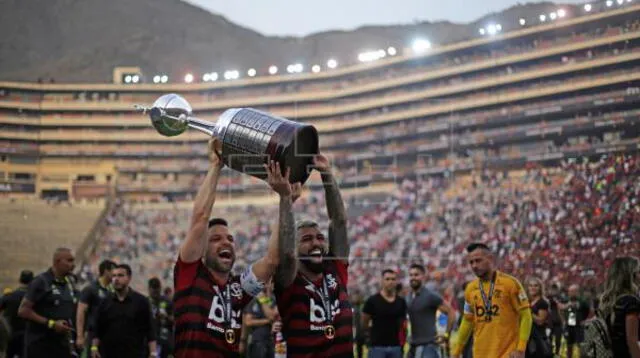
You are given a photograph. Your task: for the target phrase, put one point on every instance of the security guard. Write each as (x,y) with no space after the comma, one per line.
(49,307)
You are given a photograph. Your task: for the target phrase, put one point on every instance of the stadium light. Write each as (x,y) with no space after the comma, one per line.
(620,2)
(213,76)
(206,77)
(332,63)
(315,68)
(609,3)
(273,70)
(164,78)
(135,79)
(561,13)
(391,51)
(420,45)
(188,78)
(252,72)
(127,79)
(231,75)
(498,27)
(587,7)
(491,29)
(481,31)
(295,68)
(543,18)
(369,56)
(156,79)
(522,22)
(552,16)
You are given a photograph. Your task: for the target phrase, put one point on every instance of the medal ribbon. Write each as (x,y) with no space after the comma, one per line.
(324,298)
(487,300)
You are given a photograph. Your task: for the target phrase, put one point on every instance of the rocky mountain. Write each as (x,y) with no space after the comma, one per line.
(83,40)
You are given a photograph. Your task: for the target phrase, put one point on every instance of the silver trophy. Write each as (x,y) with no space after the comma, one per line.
(249,137)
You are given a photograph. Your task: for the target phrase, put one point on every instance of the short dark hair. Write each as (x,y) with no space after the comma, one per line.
(218,221)
(106,265)
(125,267)
(418,267)
(386,271)
(477,245)
(25,277)
(154,283)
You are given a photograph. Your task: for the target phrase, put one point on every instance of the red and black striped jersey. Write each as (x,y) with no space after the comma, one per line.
(200,322)
(304,318)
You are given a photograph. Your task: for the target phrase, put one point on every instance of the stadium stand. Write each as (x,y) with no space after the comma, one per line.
(31,229)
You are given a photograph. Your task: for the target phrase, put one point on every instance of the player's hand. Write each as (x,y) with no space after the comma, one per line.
(215,152)
(62,327)
(276,327)
(296,191)
(516,354)
(321,163)
(278,182)
(80,341)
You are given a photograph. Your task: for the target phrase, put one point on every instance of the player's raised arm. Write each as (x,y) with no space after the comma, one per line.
(283,240)
(194,246)
(264,268)
(338,240)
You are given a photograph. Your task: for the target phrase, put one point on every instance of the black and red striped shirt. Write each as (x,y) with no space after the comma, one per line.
(200,322)
(304,318)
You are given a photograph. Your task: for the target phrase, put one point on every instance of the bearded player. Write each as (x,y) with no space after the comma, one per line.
(209,300)
(311,280)
(496,310)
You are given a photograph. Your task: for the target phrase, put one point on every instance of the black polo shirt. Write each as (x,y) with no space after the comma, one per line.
(92,296)
(55,300)
(9,305)
(124,327)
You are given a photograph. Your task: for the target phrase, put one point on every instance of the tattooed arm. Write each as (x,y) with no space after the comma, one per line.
(284,246)
(288,267)
(338,240)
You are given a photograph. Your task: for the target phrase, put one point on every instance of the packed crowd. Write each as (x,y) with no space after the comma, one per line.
(561,224)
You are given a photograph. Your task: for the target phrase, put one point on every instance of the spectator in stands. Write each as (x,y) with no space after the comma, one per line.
(9,305)
(90,298)
(620,306)
(49,307)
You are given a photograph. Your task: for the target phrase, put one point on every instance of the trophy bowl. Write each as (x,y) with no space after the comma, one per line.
(250,138)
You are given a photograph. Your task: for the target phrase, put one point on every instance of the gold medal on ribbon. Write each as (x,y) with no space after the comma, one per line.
(329,332)
(230,336)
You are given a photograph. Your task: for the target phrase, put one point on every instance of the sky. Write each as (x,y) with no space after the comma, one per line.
(303,17)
